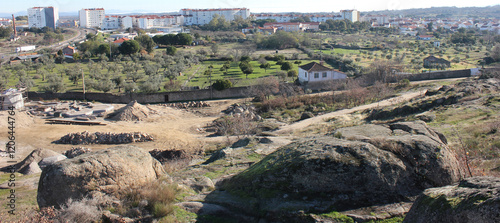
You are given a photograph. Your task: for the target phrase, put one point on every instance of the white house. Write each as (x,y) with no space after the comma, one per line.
(316,72)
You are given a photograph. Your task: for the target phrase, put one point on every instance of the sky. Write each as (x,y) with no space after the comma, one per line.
(13,6)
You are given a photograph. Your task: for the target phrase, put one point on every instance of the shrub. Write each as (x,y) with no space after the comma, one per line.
(85,210)
(156,197)
(222,84)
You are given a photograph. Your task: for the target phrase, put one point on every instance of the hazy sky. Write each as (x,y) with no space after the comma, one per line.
(14,6)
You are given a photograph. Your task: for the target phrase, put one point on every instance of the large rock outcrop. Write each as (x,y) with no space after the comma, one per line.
(475,199)
(30,164)
(96,173)
(354,167)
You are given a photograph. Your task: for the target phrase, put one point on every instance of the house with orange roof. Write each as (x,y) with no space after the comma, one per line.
(120,41)
(69,50)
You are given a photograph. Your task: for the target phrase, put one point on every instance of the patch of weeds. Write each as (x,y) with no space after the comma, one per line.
(255,157)
(179,215)
(337,217)
(389,220)
(338,135)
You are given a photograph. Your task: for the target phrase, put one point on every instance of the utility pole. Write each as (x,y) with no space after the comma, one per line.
(83,83)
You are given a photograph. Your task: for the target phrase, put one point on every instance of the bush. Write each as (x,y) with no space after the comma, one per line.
(85,210)
(222,84)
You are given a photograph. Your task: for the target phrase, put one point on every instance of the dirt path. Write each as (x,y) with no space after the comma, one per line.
(289,129)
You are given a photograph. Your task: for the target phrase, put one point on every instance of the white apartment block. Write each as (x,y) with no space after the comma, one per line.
(5,22)
(91,18)
(111,22)
(40,17)
(378,19)
(204,16)
(288,17)
(351,15)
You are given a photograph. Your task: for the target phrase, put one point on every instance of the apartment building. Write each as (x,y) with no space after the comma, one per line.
(92,18)
(351,15)
(204,16)
(40,17)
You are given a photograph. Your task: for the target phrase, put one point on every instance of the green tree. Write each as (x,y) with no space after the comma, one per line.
(429,26)
(171,50)
(292,74)
(184,39)
(129,47)
(214,48)
(286,66)
(103,49)
(104,85)
(222,84)
(5,32)
(246,68)
(54,84)
(146,42)
(265,66)
(119,82)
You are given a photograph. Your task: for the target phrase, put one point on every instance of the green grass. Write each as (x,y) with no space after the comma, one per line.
(337,217)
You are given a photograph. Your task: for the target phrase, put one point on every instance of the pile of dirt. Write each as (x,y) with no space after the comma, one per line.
(133,111)
(104,138)
(21,119)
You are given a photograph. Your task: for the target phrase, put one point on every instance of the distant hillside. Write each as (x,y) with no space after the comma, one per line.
(444,12)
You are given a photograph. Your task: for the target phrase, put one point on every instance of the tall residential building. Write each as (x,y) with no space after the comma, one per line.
(204,16)
(90,18)
(40,17)
(351,15)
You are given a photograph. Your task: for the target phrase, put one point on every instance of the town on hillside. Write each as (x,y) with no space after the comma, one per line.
(239,115)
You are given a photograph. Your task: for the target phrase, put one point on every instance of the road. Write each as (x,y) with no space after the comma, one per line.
(56,46)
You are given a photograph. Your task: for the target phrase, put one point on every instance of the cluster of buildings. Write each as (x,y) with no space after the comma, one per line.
(410,25)
(351,15)
(96,18)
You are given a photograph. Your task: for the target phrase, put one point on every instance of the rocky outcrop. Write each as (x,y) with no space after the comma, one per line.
(475,199)
(190,104)
(96,173)
(76,151)
(446,95)
(353,167)
(30,164)
(86,138)
(243,110)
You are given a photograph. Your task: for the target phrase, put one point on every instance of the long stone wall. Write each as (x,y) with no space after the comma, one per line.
(431,75)
(196,95)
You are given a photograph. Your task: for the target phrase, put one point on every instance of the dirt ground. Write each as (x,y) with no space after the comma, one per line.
(171,127)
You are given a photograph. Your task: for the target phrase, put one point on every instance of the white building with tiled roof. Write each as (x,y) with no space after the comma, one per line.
(316,72)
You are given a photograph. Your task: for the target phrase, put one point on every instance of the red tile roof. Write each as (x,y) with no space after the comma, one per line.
(121,40)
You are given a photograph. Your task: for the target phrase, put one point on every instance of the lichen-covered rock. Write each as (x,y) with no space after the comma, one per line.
(76,151)
(95,174)
(355,167)
(475,199)
(35,156)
